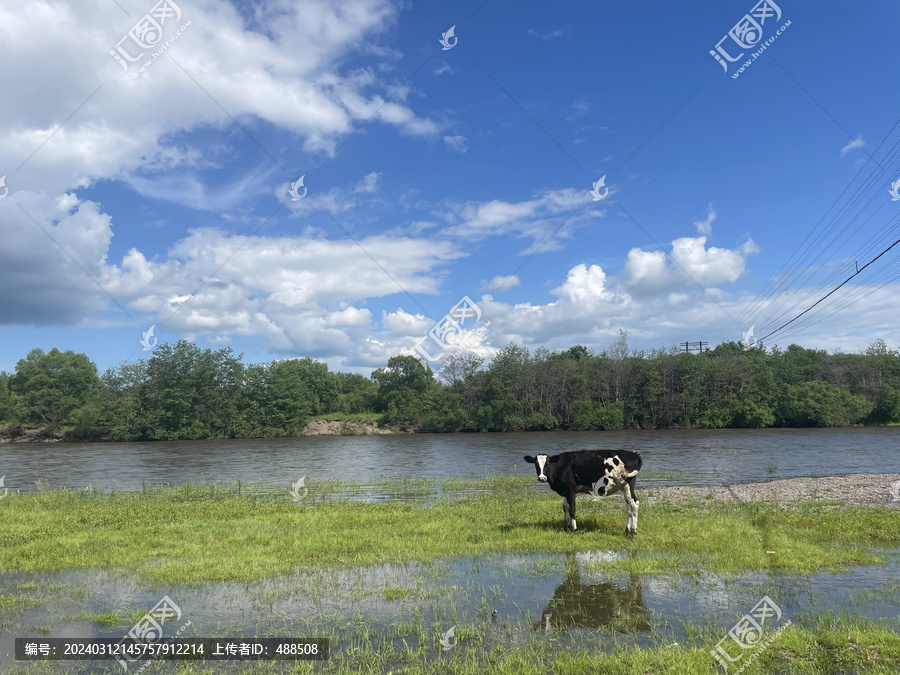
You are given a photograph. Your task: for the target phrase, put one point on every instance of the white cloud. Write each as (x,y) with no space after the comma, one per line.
(857,142)
(50,254)
(369,183)
(555,212)
(749,247)
(402,323)
(549,35)
(585,286)
(705,226)
(284,71)
(351,316)
(457,143)
(580,106)
(648,273)
(500,283)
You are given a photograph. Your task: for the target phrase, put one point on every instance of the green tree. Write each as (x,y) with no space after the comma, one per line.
(6,402)
(190,392)
(124,401)
(822,405)
(298,389)
(50,387)
(402,386)
(357,393)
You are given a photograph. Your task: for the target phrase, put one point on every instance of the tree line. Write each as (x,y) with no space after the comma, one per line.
(185,392)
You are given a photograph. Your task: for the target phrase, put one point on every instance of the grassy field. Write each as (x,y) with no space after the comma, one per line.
(196,535)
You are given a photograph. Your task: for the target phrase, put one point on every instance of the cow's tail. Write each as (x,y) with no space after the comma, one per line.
(638,463)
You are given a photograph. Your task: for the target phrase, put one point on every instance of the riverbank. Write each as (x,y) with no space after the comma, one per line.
(33,435)
(316,427)
(340,427)
(868,489)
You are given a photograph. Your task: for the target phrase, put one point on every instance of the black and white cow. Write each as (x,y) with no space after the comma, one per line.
(598,472)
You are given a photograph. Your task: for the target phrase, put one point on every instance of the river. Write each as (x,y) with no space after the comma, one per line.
(688,457)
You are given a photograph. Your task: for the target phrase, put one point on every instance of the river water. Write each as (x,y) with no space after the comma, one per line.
(680,457)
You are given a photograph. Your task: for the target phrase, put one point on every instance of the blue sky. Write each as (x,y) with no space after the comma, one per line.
(431,174)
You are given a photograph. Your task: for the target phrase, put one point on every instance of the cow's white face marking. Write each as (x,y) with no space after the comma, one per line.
(542,463)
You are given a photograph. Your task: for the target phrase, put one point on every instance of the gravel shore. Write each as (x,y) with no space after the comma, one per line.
(855,488)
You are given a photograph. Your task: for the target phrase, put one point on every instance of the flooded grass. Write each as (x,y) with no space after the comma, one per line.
(384,580)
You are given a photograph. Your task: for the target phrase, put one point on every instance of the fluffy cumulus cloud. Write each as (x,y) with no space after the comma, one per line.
(650,296)
(52,260)
(584,285)
(247,67)
(693,263)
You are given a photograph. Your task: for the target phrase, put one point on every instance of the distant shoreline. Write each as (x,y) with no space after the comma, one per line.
(331,427)
(317,427)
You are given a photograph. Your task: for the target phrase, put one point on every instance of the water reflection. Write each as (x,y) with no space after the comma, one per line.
(568,596)
(595,605)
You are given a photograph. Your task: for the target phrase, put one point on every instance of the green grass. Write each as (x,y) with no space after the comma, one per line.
(827,647)
(196,534)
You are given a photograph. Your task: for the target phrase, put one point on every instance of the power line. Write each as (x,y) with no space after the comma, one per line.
(840,309)
(780,284)
(877,240)
(859,271)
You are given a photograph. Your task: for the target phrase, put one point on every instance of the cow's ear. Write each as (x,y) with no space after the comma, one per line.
(530,459)
(554,459)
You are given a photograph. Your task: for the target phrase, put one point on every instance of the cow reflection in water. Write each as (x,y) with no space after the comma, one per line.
(578,605)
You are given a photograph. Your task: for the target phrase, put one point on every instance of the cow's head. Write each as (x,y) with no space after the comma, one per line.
(540,463)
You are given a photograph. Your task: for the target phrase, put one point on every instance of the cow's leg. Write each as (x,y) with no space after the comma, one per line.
(572,509)
(569,510)
(632,503)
